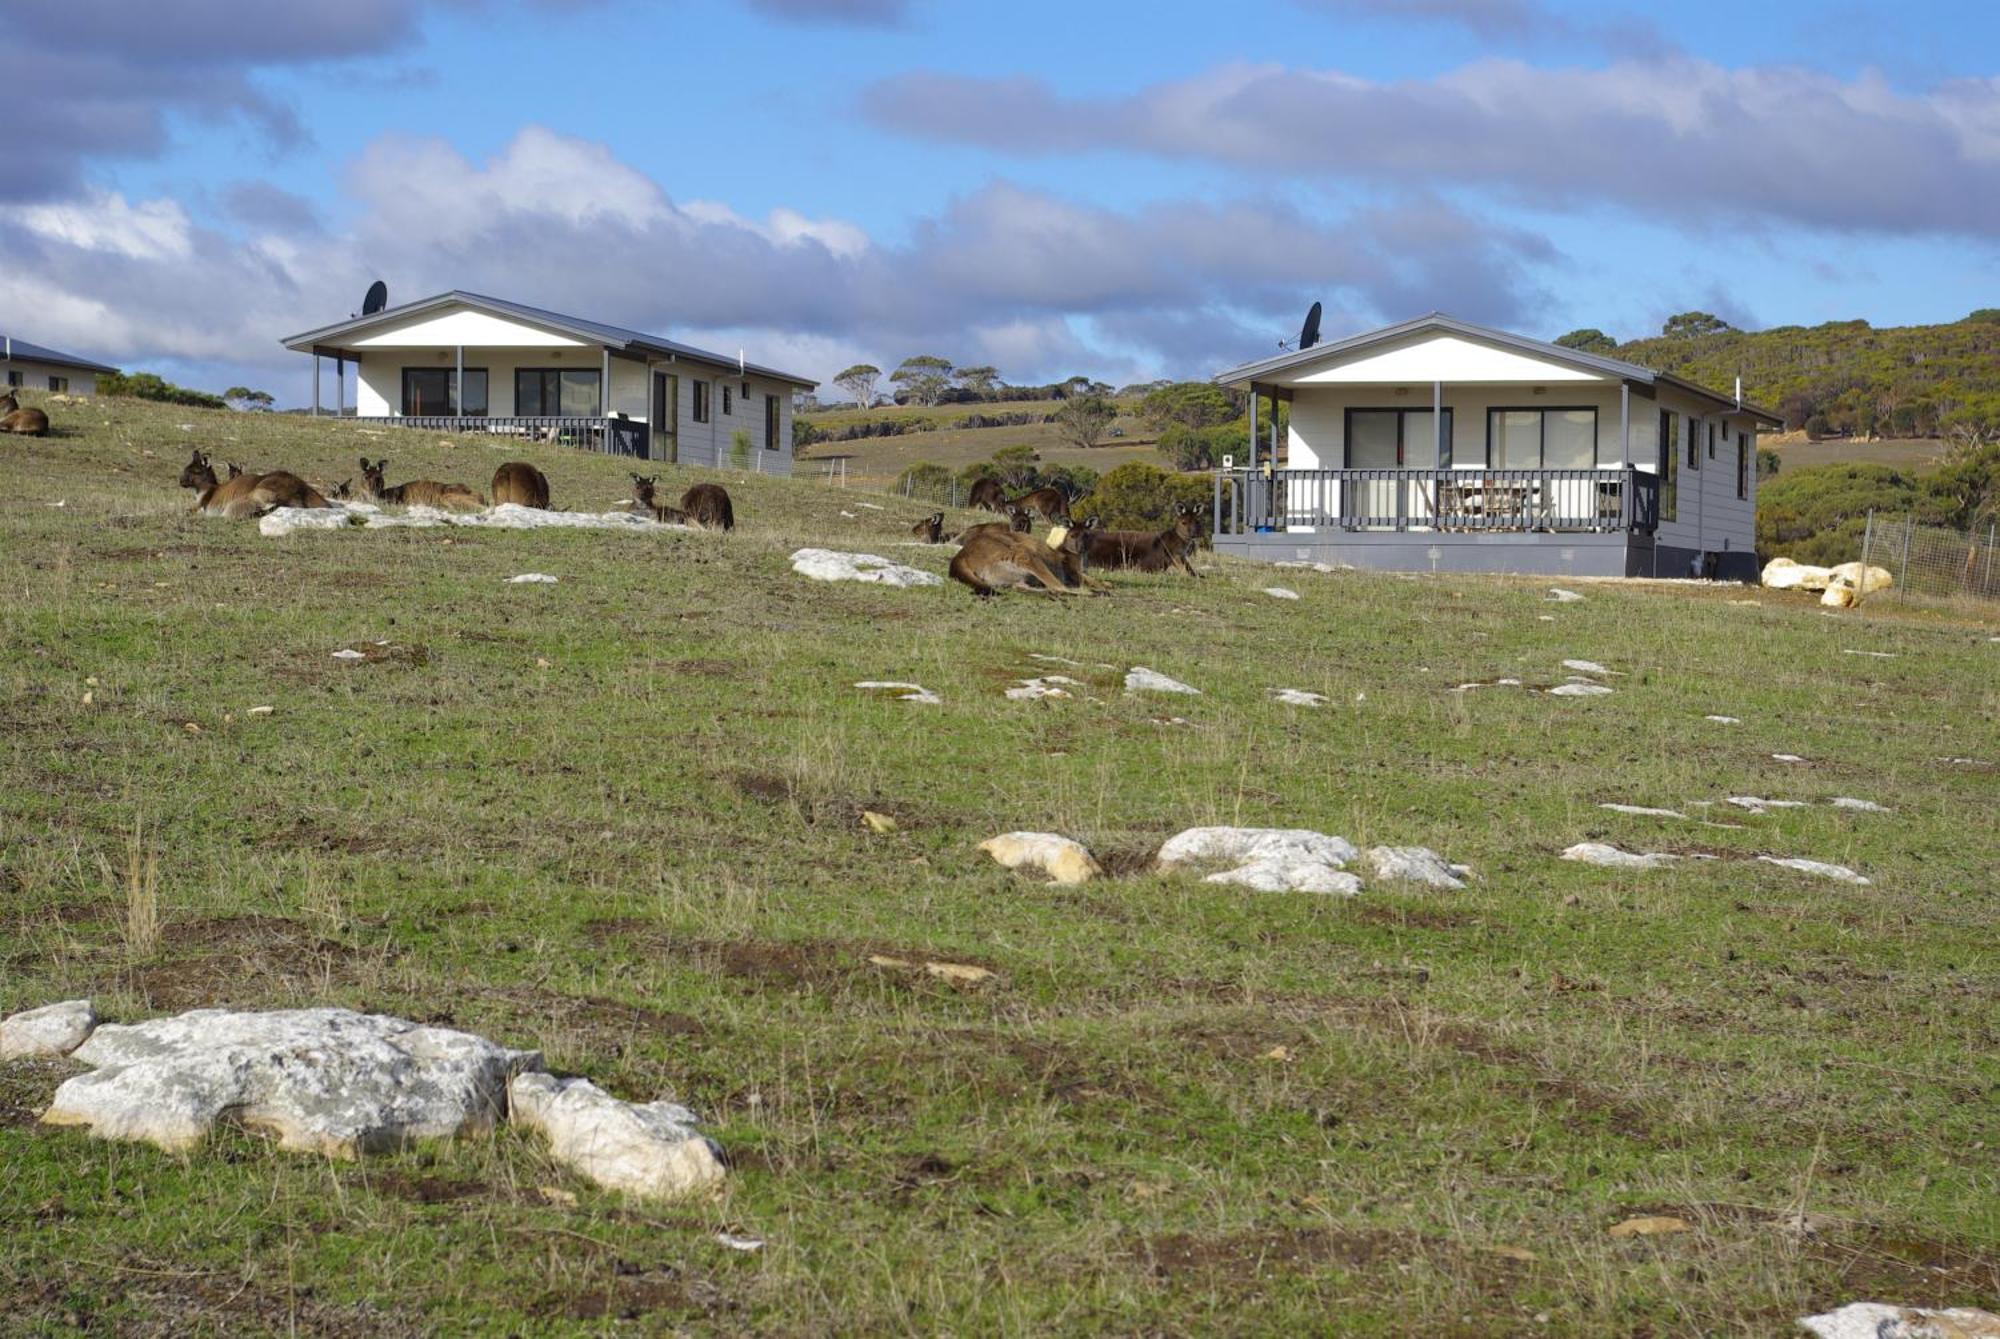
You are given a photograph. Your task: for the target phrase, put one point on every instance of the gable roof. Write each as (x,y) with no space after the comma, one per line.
(595,332)
(1439,323)
(41,353)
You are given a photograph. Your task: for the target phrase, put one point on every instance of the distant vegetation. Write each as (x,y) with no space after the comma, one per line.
(146,386)
(1817,515)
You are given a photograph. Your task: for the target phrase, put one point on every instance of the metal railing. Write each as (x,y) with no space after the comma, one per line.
(1521,501)
(1930,561)
(610,436)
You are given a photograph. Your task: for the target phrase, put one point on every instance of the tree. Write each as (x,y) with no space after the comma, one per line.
(1687,325)
(1588,340)
(1138,496)
(924,378)
(859,381)
(979,379)
(1084,419)
(1192,404)
(242,397)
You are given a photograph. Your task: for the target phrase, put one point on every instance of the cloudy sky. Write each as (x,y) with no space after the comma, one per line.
(1125,189)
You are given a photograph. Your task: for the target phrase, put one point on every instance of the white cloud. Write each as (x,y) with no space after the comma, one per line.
(104,221)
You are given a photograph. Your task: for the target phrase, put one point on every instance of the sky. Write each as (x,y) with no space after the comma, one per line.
(1122,190)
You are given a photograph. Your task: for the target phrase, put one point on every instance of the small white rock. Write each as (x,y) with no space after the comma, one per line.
(1242,845)
(348,653)
(828,565)
(1033,690)
(1289,876)
(1865,806)
(733,1242)
(1415,864)
(1579,690)
(653,1150)
(1756,804)
(1063,859)
(1280,593)
(1787,757)
(1139,679)
(260,711)
(1723,720)
(905,692)
(1298,697)
(1641,811)
(1586,667)
(1820,868)
(1879,1320)
(532,579)
(53,1029)
(1561,596)
(1610,857)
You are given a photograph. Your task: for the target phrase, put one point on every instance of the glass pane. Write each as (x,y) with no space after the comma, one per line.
(1517,438)
(474,400)
(1569,440)
(579,394)
(1420,439)
(425,391)
(528,394)
(1371,439)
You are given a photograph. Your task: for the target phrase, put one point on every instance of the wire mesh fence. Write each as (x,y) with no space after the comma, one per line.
(1932,562)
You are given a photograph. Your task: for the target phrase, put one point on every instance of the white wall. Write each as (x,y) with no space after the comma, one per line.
(1318,425)
(35,376)
(1440,357)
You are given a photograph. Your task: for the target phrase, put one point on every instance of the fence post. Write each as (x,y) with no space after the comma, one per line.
(1867,541)
(1986,582)
(1903,577)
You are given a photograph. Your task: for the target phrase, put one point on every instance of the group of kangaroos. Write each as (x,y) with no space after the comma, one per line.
(240,495)
(1005,555)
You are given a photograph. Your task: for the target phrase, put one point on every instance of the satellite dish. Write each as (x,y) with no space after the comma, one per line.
(1310,335)
(377,299)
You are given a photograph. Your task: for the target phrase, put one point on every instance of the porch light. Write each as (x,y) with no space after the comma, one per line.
(1541,390)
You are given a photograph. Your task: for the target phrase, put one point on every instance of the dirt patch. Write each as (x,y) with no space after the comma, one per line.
(26,1087)
(611,1021)
(1252,1039)
(419,1189)
(242,960)
(1127,861)
(820,809)
(770,789)
(707,669)
(633,1292)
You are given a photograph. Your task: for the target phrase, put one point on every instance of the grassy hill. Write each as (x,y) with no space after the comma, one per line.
(618,819)
(877,461)
(1848,376)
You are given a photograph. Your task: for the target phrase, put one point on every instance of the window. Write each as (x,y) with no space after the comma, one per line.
(1395,439)
(58,383)
(428,390)
(1694,442)
(700,401)
(1551,439)
(1743,464)
(727,408)
(771,422)
(15,378)
(1670,459)
(550,392)
(1711,441)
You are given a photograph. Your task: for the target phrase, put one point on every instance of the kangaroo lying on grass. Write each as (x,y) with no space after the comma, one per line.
(246,495)
(931,529)
(1019,522)
(417,492)
(996,560)
(705,506)
(1149,552)
(19,421)
(521,484)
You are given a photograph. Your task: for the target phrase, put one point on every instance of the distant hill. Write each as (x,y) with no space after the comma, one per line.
(1846,376)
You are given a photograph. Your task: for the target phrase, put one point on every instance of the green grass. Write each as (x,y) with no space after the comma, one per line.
(617,819)
(1916,456)
(877,461)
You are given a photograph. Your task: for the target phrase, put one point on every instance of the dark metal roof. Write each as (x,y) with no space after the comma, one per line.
(41,353)
(596,332)
(1438,321)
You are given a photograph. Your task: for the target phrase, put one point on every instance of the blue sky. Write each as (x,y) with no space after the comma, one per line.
(1127,190)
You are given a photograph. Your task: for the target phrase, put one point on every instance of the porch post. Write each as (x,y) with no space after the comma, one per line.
(1626,484)
(458,384)
(604,401)
(315,383)
(1437,423)
(1253,427)
(339,385)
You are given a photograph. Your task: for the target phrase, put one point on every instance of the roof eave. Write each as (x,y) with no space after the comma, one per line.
(1612,367)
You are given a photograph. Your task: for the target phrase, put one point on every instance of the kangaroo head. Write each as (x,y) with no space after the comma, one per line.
(372,476)
(643,488)
(1020,519)
(1187,522)
(198,473)
(343,489)
(234,469)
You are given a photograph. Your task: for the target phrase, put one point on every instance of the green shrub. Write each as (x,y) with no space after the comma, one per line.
(740,448)
(1203,448)
(933,483)
(1817,515)
(146,386)
(1138,496)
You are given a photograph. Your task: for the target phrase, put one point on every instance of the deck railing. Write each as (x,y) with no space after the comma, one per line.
(612,436)
(1519,501)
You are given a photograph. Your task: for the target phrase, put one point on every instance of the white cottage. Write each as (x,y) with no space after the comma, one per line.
(467,363)
(1438,445)
(36,367)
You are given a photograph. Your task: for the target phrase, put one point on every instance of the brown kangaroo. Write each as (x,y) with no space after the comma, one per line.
(987,495)
(1148,552)
(643,495)
(521,484)
(19,421)
(341,491)
(417,492)
(708,505)
(997,560)
(931,529)
(1018,522)
(1051,502)
(246,495)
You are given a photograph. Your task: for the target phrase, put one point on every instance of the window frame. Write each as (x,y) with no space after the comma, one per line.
(774,422)
(1401,412)
(1712,426)
(1669,461)
(728,405)
(1542,435)
(451,392)
(58,385)
(1743,466)
(700,409)
(1694,423)
(596,376)
(17,380)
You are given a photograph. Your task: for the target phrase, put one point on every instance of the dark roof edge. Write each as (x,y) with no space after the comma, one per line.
(1436,321)
(26,350)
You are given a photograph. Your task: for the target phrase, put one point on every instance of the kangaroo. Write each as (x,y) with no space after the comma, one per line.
(1018,522)
(246,495)
(987,495)
(521,484)
(19,421)
(708,505)
(1149,552)
(234,469)
(997,560)
(342,491)
(418,492)
(643,497)
(1052,502)
(931,529)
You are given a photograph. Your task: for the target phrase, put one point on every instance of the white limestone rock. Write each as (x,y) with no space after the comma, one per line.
(1642,811)
(532,579)
(654,1150)
(1061,858)
(1757,804)
(828,565)
(1139,679)
(1243,845)
(1297,697)
(1561,596)
(53,1029)
(328,1081)
(1819,868)
(1049,685)
(1576,689)
(1281,593)
(1879,1320)
(904,692)
(1415,864)
(1289,875)
(1863,806)
(1611,857)
(1587,667)
(1724,720)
